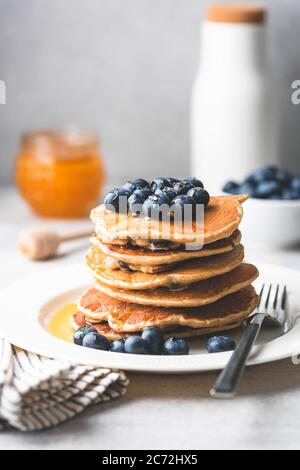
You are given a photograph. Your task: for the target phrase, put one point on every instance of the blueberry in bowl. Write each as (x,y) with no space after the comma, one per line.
(231,187)
(269,182)
(272,212)
(267,189)
(295,184)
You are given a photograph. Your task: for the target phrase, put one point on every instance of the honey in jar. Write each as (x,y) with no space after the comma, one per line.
(60,174)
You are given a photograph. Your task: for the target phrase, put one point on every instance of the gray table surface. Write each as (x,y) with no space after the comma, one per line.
(163,412)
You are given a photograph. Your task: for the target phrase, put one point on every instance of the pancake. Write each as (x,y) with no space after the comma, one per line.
(130,317)
(197,294)
(221,218)
(183,275)
(78,320)
(139,258)
(90,305)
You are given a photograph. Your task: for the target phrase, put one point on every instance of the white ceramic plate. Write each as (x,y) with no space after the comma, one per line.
(26,307)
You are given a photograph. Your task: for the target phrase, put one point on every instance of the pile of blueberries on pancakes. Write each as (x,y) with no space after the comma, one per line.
(145,197)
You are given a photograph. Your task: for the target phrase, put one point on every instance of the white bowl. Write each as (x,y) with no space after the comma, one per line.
(271,222)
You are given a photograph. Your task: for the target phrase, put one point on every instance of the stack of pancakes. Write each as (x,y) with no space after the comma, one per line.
(146,275)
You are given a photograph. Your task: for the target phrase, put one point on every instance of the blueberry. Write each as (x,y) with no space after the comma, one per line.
(95,341)
(283,177)
(295,183)
(128,186)
(182,187)
(184,206)
(199,195)
(124,267)
(136,200)
(289,194)
(175,347)
(136,345)
(118,346)
(195,182)
(247,188)
(154,338)
(89,329)
(163,199)
(112,199)
(167,191)
(218,344)
(159,183)
(150,203)
(267,189)
(152,207)
(122,192)
(140,183)
(144,191)
(267,173)
(81,332)
(78,336)
(231,187)
(172,181)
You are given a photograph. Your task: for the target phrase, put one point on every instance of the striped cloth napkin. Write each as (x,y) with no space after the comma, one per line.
(37,392)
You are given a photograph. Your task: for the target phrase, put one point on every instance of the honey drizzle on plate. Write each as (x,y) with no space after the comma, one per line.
(60,326)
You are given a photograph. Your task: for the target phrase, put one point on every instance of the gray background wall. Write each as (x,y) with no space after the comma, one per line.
(124,68)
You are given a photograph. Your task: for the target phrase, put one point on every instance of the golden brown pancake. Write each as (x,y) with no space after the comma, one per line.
(184,274)
(197,294)
(90,304)
(221,218)
(103,328)
(138,258)
(130,317)
(78,320)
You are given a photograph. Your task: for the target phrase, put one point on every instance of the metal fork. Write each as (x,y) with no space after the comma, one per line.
(272,306)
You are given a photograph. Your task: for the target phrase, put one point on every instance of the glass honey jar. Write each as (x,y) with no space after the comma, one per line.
(60,174)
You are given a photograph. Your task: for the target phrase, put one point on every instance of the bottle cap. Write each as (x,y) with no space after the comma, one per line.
(236,13)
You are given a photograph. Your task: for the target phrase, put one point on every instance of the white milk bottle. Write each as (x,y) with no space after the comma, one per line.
(234,125)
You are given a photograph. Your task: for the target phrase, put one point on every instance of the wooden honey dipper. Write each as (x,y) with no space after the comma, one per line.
(42,243)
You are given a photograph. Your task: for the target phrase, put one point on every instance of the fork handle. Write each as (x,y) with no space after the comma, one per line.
(229,379)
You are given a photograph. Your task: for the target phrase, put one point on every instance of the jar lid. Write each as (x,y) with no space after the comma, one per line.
(236,13)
